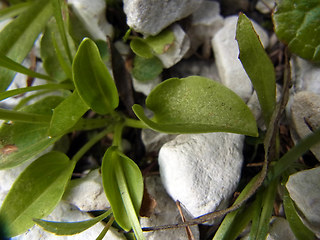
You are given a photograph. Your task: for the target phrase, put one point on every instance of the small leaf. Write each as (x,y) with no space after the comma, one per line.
(14,10)
(18,37)
(93,80)
(30,139)
(67,114)
(146,69)
(297,25)
(298,228)
(141,48)
(36,192)
(196,105)
(123,185)
(257,65)
(161,42)
(70,228)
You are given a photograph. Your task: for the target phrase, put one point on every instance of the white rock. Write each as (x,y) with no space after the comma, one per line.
(68,213)
(280,230)
(304,190)
(93,15)
(145,87)
(201,170)
(177,50)
(87,193)
(152,16)
(165,212)
(265,6)
(226,53)
(153,140)
(305,75)
(305,114)
(206,21)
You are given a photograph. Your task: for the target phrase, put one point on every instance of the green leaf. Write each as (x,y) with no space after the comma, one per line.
(123,185)
(14,10)
(70,228)
(257,65)
(300,231)
(12,65)
(297,25)
(27,139)
(93,80)
(196,105)
(146,69)
(161,42)
(67,114)
(141,48)
(36,192)
(18,37)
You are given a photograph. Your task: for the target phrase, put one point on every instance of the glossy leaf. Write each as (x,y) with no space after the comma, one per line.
(70,228)
(257,65)
(196,105)
(36,192)
(141,48)
(300,231)
(297,25)
(146,69)
(161,42)
(123,185)
(67,114)
(28,139)
(18,37)
(93,80)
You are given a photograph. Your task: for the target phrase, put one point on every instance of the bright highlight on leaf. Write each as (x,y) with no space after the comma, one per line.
(196,105)
(123,185)
(257,65)
(93,80)
(297,25)
(35,193)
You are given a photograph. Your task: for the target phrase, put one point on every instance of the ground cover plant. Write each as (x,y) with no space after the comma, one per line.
(76,68)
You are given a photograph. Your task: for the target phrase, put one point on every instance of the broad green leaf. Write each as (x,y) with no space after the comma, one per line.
(27,139)
(67,114)
(300,231)
(123,185)
(196,105)
(296,23)
(53,87)
(12,65)
(18,37)
(36,192)
(93,80)
(146,69)
(141,48)
(161,42)
(14,10)
(70,228)
(257,65)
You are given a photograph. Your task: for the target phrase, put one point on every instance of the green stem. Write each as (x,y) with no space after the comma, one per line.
(89,144)
(23,116)
(129,122)
(106,229)
(117,135)
(90,124)
(132,215)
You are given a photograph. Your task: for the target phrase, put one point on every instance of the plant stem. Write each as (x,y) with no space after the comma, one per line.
(24,117)
(89,144)
(106,229)
(129,122)
(117,135)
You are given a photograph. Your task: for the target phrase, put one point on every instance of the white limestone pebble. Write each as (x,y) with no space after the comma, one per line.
(226,51)
(202,171)
(149,17)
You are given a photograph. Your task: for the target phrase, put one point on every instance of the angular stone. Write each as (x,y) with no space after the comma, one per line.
(153,140)
(201,170)
(87,193)
(265,6)
(305,115)
(280,230)
(226,51)
(68,213)
(150,17)
(145,87)
(163,211)
(304,190)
